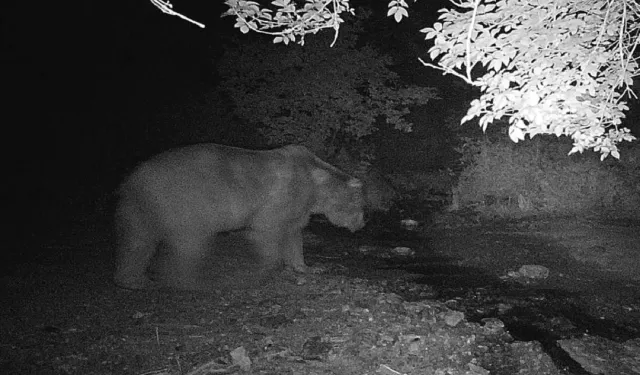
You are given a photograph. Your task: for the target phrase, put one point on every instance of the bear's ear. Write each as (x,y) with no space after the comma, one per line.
(355,183)
(320,176)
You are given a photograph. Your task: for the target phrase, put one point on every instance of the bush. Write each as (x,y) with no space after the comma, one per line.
(501,179)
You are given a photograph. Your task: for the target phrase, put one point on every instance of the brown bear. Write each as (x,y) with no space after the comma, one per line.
(181,198)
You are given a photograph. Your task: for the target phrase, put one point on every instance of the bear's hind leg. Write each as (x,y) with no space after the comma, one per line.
(136,246)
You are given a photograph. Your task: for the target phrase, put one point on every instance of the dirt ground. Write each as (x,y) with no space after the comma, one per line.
(595,255)
(450,306)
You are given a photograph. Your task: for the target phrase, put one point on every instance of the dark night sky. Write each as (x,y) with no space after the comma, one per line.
(78,77)
(76,71)
(82,76)
(83,79)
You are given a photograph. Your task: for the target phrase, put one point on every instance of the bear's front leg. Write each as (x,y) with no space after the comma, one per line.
(291,250)
(136,246)
(183,270)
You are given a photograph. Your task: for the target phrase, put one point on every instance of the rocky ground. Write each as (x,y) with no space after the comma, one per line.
(447,298)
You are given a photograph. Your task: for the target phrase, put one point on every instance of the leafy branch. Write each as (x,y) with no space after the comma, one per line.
(289,20)
(560,67)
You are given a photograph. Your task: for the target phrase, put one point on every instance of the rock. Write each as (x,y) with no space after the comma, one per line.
(316,349)
(239,357)
(409,224)
(453,318)
(534,271)
(493,326)
(598,355)
(403,251)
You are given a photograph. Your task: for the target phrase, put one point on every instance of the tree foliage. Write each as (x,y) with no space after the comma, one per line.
(290,20)
(325,98)
(560,67)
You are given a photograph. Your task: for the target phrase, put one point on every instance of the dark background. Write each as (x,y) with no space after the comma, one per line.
(79,81)
(82,80)
(82,77)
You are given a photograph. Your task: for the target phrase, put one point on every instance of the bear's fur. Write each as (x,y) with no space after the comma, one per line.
(181,198)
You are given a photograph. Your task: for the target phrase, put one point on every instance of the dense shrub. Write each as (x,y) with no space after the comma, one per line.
(499,178)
